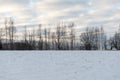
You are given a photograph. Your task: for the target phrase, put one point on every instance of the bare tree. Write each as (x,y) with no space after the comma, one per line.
(88,38)
(25,37)
(58,37)
(11,31)
(45,39)
(25,34)
(53,37)
(93,38)
(64,37)
(115,41)
(72,36)
(33,42)
(1,35)
(6,33)
(49,38)
(96,35)
(40,42)
(103,39)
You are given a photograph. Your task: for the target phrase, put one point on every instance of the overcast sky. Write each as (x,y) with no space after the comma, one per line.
(82,12)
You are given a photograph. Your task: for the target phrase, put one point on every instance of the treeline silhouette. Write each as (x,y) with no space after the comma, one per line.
(62,37)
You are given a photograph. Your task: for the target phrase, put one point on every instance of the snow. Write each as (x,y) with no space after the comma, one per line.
(60,65)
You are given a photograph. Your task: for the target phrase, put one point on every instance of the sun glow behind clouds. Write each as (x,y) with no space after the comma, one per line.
(6,9)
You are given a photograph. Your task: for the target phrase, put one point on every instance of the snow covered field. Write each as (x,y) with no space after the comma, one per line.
(60,65)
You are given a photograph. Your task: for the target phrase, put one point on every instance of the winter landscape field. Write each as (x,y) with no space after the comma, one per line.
(60,65)
(59,39)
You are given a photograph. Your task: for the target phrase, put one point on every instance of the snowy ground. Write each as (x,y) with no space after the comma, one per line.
(74,65)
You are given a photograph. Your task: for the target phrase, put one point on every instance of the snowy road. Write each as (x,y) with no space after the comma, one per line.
(60,65)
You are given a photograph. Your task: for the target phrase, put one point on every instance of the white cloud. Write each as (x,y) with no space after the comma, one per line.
(82,12)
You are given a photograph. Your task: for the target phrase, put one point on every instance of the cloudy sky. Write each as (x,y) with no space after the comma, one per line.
(82,12)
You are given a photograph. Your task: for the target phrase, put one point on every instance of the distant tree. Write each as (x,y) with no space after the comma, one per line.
(6,33)
(115,41)
(25,36)
(40,41)
(103,39)
(72,35)
(100,38)
(87,38)
(45,39)
(96,42)
(0,45)
(64,37)
(1,34)
(58,37)
(53,37)
(49,38)
(93,38)
(34,39)
(30,39)
(11,32)
(111,42)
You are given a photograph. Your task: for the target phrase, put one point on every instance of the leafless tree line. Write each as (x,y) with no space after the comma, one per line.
(63,37)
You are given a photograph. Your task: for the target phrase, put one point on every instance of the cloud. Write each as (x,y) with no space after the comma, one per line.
(82,12)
